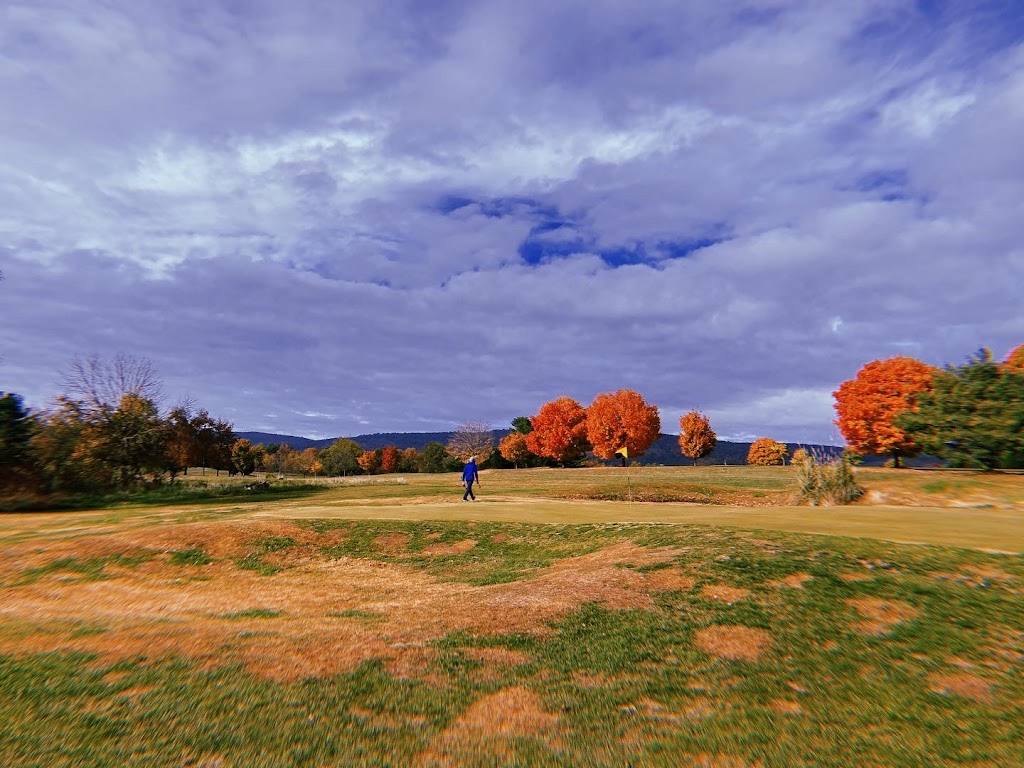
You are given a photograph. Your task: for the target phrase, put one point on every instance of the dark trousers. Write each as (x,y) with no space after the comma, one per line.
(469,491)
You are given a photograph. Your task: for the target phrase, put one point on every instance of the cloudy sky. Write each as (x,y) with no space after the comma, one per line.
(332,218)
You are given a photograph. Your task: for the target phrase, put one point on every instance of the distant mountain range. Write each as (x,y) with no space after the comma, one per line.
(665,450)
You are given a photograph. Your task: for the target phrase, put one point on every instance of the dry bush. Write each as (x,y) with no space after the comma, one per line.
(823,481)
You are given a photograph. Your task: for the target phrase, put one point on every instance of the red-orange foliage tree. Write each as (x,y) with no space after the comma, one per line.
(696,437)
(867,405)
(622,419)
(765,452)
(513,448)
(389,456)
(559,431)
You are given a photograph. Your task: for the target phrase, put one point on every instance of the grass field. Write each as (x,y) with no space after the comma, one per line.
(680,616)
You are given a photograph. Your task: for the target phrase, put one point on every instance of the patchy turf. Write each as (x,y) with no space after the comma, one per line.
(482,643)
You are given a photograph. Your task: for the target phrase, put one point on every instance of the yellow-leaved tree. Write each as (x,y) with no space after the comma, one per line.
(765,452)
(696,437)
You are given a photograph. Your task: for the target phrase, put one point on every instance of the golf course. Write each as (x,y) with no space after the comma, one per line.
(603,616)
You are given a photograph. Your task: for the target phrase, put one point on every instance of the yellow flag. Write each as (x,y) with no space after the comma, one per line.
(623,452)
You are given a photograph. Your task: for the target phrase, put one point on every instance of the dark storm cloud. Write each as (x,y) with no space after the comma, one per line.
(329,219)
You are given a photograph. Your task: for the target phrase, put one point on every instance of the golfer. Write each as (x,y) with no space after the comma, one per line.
(470,476)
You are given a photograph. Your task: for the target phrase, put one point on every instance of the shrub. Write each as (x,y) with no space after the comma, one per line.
(827,482)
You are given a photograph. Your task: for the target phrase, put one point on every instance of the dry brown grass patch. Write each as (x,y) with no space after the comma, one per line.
(700,708)
(734,642)
(300,629)
(591,680)
(1009,644)
(510,712)
(450,549)
(220,540)
(668,580)
(793,581)
(725,594)
(704,760)
(881,616)
(786,707)
(961,684)
(489,724)
(503,656)
(393,543)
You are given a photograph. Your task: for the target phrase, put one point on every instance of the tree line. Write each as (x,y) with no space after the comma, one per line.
(106,430)
(969,415)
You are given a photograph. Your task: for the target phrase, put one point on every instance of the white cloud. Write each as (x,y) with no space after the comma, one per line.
(267,179)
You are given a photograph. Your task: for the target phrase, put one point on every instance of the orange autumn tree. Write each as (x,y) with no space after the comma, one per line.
(559,431)
(369,461)
(696,437)
(513,448)
(867,405)
(765,452)
(622,419)
(1015,360)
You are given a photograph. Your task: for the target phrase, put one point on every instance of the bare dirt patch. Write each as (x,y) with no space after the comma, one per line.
(961,684)
(725,594)
(734,642)
(881,616)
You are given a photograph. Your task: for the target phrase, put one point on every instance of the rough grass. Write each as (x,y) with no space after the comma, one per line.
(387,643)
(143,636)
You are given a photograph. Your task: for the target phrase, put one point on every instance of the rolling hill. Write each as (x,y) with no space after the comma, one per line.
(665,450)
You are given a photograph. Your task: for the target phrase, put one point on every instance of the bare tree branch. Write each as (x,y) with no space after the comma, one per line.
(474,438)
(100,384)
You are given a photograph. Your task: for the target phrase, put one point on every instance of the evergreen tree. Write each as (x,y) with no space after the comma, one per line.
(15,433)
(973,416)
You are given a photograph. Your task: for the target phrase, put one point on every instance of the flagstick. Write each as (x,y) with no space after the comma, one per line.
(624,453)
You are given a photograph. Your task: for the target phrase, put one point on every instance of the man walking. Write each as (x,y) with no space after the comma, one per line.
(470,476)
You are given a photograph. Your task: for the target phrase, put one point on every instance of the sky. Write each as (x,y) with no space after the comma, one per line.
(336,218)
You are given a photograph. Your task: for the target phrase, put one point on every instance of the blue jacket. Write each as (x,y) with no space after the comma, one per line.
(469,473)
